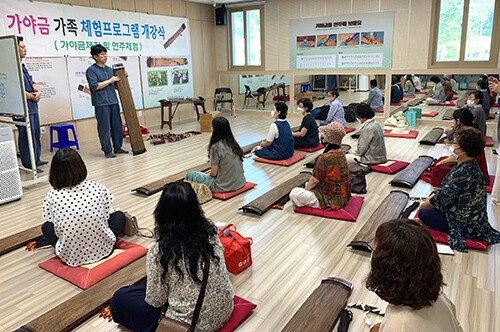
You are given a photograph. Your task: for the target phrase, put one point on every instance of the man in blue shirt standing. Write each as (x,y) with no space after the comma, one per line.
(336,112)
(107,111)
(33,97)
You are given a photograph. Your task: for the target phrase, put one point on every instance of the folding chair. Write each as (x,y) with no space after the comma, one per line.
(222,96)
(253,96)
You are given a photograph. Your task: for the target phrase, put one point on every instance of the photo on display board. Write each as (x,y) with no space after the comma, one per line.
(349,39)
(306,41)
(180,76)
(157,78)
(165,62)
(326,40)
(372,38)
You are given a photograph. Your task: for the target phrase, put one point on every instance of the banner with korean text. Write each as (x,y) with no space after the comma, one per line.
(351,41)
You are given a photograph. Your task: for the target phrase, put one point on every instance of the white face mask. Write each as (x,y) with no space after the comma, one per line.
(452,150)
(300,110)
(371,256)
(471,103)
(272,114)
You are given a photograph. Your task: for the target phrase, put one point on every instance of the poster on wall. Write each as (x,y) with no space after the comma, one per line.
(49,76)
(56,30)
(261,81)
(79,87)
(353,41)
(166,77)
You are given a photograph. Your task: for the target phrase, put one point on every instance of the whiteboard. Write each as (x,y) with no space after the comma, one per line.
(12,97)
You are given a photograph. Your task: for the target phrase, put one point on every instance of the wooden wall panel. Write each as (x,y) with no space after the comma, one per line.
(401,40)
(85,3)
(337,7)
(222,47)
(208,61)
(272,39)
(286,11)
(396,4)
(197,58)
(313,8)
(193,10)
(178,8)
(144,6)
(127,5)
(207,13)
(106,4)
(420,29)
(162,7)
(361,6)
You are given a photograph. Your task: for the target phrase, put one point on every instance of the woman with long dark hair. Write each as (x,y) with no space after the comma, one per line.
(184,239)
(406,272)
(409,86)
(226,160)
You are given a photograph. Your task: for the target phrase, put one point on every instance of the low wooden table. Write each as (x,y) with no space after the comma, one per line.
(200,101)
(266,91)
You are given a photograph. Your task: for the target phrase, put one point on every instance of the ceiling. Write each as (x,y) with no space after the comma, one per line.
(218,2)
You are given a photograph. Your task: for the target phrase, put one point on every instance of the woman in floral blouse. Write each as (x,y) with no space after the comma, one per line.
(175,269)
(458,206)
(329,187)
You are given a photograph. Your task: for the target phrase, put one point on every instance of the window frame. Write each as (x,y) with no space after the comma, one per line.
(246,67)
(494,48)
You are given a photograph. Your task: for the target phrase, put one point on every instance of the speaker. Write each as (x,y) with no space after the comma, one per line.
(220,15)
(10,180)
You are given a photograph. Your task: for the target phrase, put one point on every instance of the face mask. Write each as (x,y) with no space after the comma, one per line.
(272,114)
(470,103)
(301,110)
(371,256)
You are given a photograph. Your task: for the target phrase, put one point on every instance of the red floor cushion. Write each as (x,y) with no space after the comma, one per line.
(319,147)
(379,111)
(430,114)
(87,275)
(395,104)
(349,129)
(404,100)
(494,105)
(409,97)
(349,212)
(390,167)
(492,181)
(242,308)
(488,140)
(454,98)
(491,116)
(443,238)
(229,194)
(420,92)
(448,103)
(401,133)
(287,162)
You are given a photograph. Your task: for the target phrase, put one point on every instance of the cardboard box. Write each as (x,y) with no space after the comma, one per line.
(308,95)
(206,120)
(144,138)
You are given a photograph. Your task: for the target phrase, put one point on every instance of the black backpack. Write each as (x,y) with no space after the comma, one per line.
(323,113)
(349,114)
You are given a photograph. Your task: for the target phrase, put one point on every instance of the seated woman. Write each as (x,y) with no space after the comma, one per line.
(409,86)
(329,187)
(226,160)
(458,206)
(279,144)
(77,212)
(175,269)
(448,88)
(406,272)
(371,144)
(474,103)
(462,119)
(395,95)
(375,97)
(416,82)
(307,136)
(482,85)
(438,96)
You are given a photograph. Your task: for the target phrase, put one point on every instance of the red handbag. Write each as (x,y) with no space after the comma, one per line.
(237,252)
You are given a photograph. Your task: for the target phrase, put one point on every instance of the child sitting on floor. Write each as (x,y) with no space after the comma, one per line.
(329,187)
(226,160)
(279,144)
(77,212)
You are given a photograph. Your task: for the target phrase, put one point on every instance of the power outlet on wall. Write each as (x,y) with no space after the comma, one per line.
(42,130)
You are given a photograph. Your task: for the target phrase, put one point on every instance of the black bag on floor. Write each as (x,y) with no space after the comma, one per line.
(323,113)
(349,114)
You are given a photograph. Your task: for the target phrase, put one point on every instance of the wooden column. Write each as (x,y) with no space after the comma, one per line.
(134,129)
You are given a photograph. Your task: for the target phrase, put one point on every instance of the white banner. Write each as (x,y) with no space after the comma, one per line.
(55,29)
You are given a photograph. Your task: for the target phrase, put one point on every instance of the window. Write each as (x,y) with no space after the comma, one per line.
(246,37)
(464,33)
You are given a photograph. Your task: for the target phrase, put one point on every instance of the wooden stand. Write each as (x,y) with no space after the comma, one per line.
(134,129)
(200,101)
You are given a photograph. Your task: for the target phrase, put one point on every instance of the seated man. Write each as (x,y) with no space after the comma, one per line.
(329,187)
(371,144)
(336,113)
(375,99)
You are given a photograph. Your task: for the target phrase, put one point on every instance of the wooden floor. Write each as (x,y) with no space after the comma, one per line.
(291,253)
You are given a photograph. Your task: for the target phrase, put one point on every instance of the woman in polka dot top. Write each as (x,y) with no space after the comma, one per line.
(77,212)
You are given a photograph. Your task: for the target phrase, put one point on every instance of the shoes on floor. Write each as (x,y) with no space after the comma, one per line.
(41,163)
(121,151)
(38,170)
(110,155)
